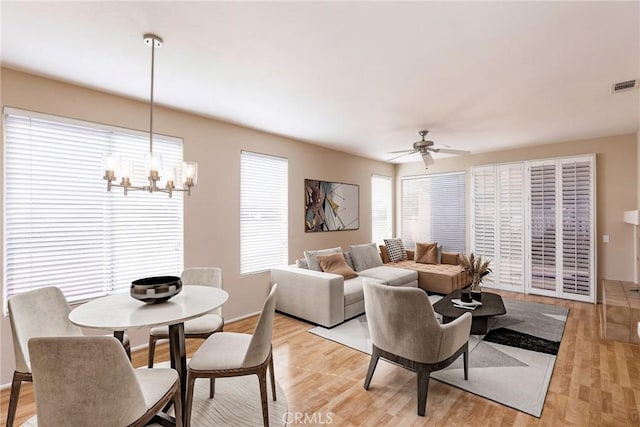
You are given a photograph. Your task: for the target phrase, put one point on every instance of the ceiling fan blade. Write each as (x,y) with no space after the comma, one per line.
(450,151)
(401,151)
(427,159)
(404,154)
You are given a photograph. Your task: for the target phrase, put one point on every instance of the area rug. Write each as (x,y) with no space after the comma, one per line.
(512,364)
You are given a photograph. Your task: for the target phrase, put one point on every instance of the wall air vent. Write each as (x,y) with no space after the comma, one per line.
(624,86)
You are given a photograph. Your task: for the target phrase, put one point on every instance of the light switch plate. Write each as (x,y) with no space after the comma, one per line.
(605,238)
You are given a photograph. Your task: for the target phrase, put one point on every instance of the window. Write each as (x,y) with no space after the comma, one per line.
(433,210)
(264,211)
(381,202)
(61,226)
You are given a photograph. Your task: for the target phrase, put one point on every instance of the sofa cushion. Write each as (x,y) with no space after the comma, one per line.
(353,291)
(336,264)
(396,250)
(452,258)
(365,256)
(312,257)
(302,263)
(347,257)
(391,276)
(427,253)
(440,278)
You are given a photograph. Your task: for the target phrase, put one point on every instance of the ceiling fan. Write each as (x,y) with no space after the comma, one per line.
(425,148)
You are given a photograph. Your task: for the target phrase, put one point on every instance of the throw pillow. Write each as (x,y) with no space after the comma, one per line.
(396,250)
(365,256)
(336,264)
(426,253)
(302,263)
(312,257)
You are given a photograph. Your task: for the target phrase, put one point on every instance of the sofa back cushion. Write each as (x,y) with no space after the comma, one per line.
(302,263)
(427,253)
(336,264)
(452,258)
(312,257)
(396,250)
(365,256)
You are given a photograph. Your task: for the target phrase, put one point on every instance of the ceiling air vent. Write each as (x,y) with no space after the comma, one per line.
(624,86)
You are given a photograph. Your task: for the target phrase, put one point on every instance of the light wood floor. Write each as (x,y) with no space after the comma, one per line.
(594,383)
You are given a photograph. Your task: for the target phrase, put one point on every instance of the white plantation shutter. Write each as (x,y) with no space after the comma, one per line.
(542,214)
(264,211)
(433,210)
(381,207)
(577,227)
(62,228)
(484,215)
(510,260)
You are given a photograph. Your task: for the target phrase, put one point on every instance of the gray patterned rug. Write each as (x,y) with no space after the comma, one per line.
(512,364)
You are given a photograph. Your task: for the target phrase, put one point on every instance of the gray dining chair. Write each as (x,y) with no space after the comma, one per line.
(230,354)
(42,312)
(201,327)
(89,380)
(404,330)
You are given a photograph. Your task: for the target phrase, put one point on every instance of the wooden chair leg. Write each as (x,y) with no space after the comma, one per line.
(273,377)
(262,378)
(189,400)
(375,355)
(177,406)
(465,359)
(423,389)
(212,387)
(152,350)
(13,398)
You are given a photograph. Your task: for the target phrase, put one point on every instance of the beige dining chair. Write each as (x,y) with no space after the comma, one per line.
(42,312)
(404,330)
(201,327)
(230,354)
(89,380)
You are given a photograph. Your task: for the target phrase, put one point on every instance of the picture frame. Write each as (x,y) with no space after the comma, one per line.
(331,206)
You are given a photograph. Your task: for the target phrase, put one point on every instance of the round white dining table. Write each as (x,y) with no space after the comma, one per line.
(120,312)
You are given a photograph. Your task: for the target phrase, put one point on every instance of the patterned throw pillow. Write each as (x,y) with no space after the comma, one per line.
(396,250)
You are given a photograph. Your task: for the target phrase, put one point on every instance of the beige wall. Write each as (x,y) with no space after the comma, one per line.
(616,190)
(212,226)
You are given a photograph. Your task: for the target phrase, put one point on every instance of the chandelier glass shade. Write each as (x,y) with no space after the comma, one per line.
(117,167)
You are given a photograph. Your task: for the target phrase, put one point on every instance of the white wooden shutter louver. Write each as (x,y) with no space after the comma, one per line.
(264,211)
(484,215)
(433,210)
(381,207)
(510,260)
(62,228)
(543,226)
(576,228)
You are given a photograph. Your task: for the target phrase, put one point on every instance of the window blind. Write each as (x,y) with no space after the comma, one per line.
(485,215)
(264,211)
(433,210)
(381,207)
(542,214)
(62,228)
(510,260)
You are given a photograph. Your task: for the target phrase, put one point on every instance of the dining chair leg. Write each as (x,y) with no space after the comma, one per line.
(14,396)
(262,378)
(191,379)
(212,387)
(423,390)
(465,360)
(177,407)
(375,355)
(152,350)
(273,377)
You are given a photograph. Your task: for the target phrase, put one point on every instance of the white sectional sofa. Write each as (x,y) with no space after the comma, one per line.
(328,299)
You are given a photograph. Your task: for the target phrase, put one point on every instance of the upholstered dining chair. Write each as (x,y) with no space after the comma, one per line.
(42,312)
(230,354)
(89,380)
(404,330)
(203,326)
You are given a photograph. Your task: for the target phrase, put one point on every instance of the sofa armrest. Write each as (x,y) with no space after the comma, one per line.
(310,295)
(450,258)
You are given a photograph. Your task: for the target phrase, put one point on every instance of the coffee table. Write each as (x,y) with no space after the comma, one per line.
(492,305)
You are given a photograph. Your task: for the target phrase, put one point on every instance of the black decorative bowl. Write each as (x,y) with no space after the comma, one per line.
(154,290)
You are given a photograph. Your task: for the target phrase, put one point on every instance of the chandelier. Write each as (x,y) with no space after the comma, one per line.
(115,166)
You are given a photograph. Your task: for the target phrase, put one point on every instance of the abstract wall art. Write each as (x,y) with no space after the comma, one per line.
(330,206)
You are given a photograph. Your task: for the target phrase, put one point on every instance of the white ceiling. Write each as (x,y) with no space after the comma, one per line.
(361,77)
